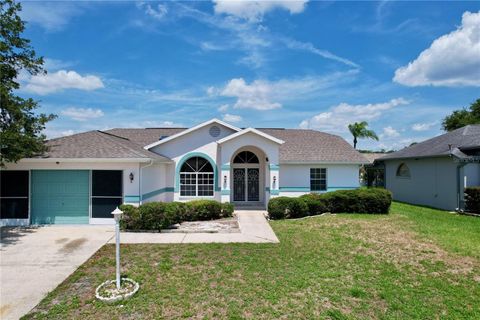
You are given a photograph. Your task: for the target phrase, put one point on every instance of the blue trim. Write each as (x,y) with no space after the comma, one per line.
(131,199)
(294,189)
(156,192)
(274,167)
(226,192)
(196,154)
(267,189)
(274,192)
(225,167)
(340,188)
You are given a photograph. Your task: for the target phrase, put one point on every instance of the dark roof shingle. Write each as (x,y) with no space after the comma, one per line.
(468,136)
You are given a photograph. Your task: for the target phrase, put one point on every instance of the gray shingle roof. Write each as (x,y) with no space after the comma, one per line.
(97,144)
(300,145)
(468,136)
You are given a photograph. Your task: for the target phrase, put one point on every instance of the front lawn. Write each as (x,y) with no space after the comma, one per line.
(414,263)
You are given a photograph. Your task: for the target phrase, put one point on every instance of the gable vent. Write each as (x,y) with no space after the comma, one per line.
(163,137)
(214,131)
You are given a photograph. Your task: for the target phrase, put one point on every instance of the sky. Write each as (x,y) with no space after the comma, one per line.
(400,66)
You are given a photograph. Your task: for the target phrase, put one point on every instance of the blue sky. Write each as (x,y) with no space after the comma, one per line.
(401,66)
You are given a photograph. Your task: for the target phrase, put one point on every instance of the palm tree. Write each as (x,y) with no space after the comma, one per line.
(359,130)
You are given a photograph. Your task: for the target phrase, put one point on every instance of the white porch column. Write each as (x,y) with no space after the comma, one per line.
(225,182)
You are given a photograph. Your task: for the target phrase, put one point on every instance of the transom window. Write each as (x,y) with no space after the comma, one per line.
(246,157)
(403,171)
(196,178)
(318,179)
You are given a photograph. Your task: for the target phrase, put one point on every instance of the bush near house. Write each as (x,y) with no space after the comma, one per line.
(161,215)
(365,200)
(472,199)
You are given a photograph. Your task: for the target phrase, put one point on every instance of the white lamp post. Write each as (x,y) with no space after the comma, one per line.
(117,214)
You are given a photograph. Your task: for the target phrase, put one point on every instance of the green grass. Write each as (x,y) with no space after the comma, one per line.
(415,263)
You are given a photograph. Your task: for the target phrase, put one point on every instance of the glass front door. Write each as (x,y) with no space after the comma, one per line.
(246,184)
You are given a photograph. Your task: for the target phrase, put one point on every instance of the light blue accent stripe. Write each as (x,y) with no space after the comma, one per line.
(274,192)
(195,154)
(131,199)
(294,189)
(340,188)
(157,192)
(274,167)
(225,192)
(267,189)
(225,167)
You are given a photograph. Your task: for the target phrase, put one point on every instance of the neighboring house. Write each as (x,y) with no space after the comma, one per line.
(83,177)
(435,172)
(372,174)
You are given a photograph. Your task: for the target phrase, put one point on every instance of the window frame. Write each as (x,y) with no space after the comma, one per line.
(397,172)
(208,175)
(312,179)
(92,196)
(27,197)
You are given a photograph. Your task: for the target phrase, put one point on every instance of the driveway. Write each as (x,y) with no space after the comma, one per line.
(35,260)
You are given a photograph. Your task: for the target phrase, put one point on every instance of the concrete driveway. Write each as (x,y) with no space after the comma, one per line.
(35,260)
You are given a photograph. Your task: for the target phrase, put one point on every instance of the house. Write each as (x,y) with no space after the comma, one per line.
(435,172)
(83,177)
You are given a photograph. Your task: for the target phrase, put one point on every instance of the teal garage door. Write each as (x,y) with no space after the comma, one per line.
(59,196)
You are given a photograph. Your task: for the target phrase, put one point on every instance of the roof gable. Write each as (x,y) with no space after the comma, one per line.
(187,131)
(251,130)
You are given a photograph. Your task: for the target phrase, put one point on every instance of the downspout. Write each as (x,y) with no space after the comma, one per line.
(140,180)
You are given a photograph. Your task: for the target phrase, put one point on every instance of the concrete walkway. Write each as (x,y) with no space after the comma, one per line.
(34,261)
(254,228)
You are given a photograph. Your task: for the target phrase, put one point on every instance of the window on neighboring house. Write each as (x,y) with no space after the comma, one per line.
(196,178)
(318,179)
(107,192)
(14,194)
(403,171)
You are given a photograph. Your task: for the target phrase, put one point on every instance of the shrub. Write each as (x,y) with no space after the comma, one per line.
(315,203)
(371,200)
(472,199)
(287,208)
(204,210)
(227,209)
(154,216)
(131,219)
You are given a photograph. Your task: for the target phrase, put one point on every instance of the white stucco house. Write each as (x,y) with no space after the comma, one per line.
(84,176)
(435,172)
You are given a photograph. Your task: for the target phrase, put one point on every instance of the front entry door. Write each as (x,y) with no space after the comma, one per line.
(246,184)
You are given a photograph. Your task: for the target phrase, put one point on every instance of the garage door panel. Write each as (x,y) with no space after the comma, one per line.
(60,196)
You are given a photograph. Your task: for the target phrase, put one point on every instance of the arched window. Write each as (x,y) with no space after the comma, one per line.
(403,171)
(246,157)
(196,178)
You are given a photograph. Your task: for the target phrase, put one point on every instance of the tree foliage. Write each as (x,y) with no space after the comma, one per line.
(21,129)
(359,130)
(463,117)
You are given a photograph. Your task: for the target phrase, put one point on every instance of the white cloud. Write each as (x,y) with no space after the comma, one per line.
(223,108)
(389,132)
(452,60)
(254,10)
(52,16)
(250,96)
(266,95)
(60,80)
(423,126)
(55,64)
(339,117)
(307,46)
(157,124)
(157,12)
(82,114)
(232,118)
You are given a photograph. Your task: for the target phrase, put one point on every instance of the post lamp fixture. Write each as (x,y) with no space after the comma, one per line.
(117,215)
(131,176)
(225,181)
(274,181)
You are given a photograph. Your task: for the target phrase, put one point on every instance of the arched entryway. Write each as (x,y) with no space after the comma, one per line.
(248,175)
